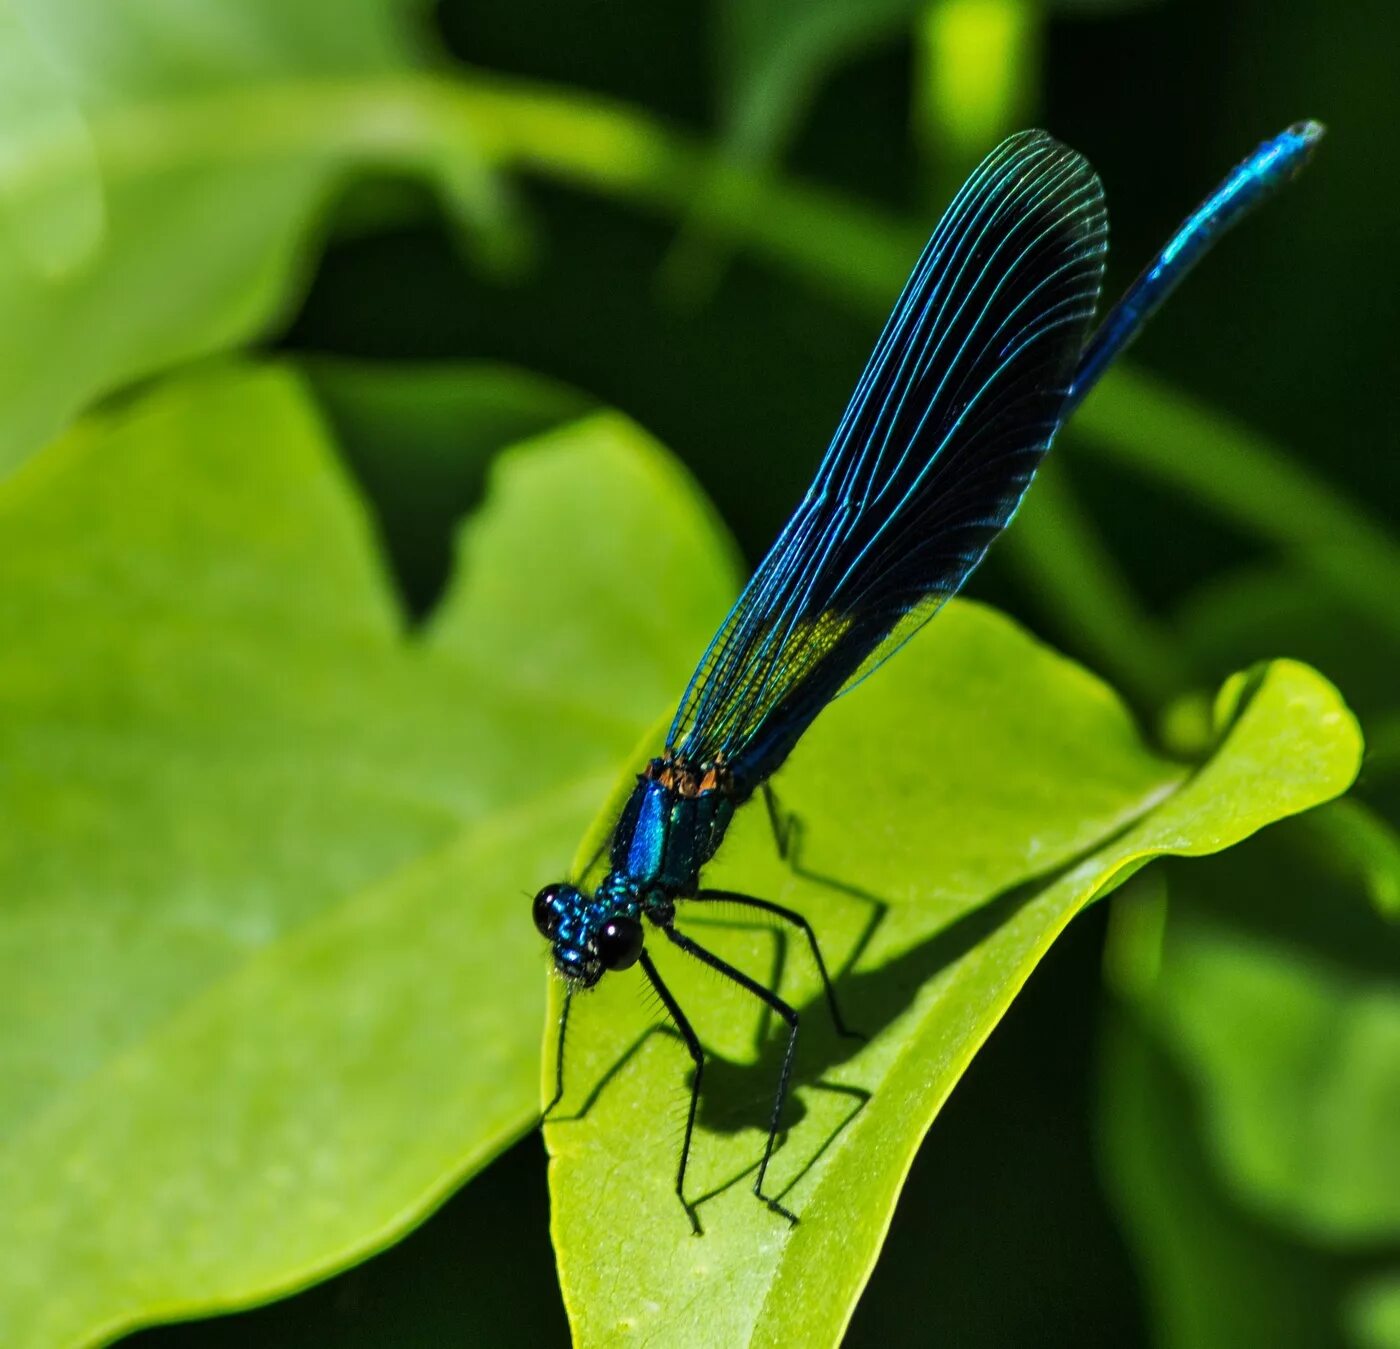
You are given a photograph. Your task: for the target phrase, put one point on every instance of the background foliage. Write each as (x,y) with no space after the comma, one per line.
(695,214)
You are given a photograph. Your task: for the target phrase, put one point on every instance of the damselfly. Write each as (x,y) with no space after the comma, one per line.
(987,352)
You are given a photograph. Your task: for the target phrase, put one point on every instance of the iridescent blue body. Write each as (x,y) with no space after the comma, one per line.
(667,833)
(987,352)
(1253,181)
(672,824)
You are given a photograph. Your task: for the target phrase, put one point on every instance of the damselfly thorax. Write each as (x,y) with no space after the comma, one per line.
(673,823)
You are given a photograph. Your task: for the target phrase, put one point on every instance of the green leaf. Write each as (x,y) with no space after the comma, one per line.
(977,79)
(1249,1094)
(982,789)
(1278,991)
(264,930)
(1213,1277)
(1303,1066)
(774,54)
(1237,618)
(1375,1315)
(1356,839)
(164,169)
(55,221)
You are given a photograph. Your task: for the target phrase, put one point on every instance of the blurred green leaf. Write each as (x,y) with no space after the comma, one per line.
(1276,988)
(774,54)
(54,220)
(1250,1093)
(977,79)
(604,146)
(1213,1277)
(1301,1064)
(1351,834)
(1374,1315)
(272,985)
(983,789)
(171,165)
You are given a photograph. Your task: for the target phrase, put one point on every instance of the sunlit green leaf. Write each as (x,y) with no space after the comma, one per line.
(163,169)
(981,790)
(271,982)
(1239,617)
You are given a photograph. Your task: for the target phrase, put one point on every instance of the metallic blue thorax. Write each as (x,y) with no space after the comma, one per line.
(671,826)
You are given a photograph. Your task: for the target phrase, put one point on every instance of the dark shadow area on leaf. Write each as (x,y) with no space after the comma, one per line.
(1002,1237)
(738,1096)
(873,999)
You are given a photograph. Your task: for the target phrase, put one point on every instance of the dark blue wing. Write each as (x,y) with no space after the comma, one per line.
(960,399)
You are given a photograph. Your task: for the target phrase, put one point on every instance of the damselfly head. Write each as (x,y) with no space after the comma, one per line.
(588,936)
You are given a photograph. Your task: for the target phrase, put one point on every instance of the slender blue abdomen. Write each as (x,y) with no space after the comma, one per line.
(1250,183)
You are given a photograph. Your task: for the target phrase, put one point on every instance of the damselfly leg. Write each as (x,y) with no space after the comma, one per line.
(787,839)
(797,921)
(788,1014)
(559,1055)
(697,1054)
(787,829)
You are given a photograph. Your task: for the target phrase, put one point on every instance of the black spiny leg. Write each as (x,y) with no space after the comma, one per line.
(787,1014)
(692,1043)
(787,831)
(787,837)
(798,921)
(559,1056)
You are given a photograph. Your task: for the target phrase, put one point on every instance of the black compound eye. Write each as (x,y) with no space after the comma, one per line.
(620,943)
(548,908)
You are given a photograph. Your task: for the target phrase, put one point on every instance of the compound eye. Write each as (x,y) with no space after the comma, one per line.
(620,943)
(549,908)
